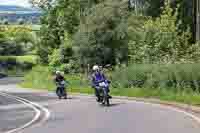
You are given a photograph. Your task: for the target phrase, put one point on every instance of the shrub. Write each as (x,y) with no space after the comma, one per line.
(160,41)
(61,59)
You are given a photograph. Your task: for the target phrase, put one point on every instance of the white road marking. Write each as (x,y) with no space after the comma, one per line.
(36,107)
(21,105)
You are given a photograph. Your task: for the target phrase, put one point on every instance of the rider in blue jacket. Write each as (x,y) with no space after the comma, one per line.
(98,77)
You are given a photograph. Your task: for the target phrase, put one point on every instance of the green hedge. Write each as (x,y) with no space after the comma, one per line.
(174,76)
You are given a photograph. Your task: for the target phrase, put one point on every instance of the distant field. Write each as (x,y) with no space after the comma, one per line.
(31,27)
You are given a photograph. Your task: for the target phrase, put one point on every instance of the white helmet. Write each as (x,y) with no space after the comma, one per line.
(95,68)
(58,72)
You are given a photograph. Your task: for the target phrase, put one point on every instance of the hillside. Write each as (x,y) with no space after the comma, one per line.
(4,8)
(16,14)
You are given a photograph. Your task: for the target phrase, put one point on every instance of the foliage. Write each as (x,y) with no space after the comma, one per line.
(102,38)
(16,40)
(161,41)
(63,57)
(55,59)
(58,20)
(185,12)
(154,7)
(43,4)
(77,33)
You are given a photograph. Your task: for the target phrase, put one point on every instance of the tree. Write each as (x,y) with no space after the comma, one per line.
(154,7)
(21,21)
(16,40)
(43,4)
(102,37)
(160,41)
(7,46)
(5,22)
(60,18)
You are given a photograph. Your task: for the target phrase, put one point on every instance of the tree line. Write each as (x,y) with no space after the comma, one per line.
(76,33)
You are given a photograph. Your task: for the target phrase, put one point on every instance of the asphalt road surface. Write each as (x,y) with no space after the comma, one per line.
(81,114)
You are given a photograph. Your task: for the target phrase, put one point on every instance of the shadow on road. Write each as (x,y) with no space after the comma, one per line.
(72,98)
(113,104)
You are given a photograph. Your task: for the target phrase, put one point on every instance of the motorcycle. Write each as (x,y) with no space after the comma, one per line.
(61,91)
(103,92)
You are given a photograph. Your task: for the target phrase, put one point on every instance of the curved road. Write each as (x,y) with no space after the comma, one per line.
(81,114)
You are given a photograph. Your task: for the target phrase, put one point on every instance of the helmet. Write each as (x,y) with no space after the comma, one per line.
(95,68)
(58,72)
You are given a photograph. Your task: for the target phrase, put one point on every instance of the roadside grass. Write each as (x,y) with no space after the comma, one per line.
(161,94)
(41,78)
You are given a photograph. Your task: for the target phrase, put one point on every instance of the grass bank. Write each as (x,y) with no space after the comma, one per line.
(42,78)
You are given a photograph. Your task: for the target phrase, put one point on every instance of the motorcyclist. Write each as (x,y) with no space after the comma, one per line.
(97,77)
(58,79)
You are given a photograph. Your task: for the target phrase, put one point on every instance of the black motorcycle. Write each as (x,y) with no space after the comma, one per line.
(61,90)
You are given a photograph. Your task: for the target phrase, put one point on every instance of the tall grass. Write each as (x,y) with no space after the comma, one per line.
(176,77)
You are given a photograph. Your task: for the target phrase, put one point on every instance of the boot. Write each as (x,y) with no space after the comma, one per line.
(98,99)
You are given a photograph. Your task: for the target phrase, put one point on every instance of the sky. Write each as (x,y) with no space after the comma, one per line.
(23,3)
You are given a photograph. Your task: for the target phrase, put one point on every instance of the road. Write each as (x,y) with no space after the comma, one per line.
(81,114)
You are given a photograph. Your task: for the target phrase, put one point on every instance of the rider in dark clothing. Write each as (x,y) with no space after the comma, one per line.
(58,79)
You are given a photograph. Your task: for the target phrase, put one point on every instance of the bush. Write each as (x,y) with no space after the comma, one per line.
(178,77)
(103,39)
(11,48)
(160,41)
(59,60)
